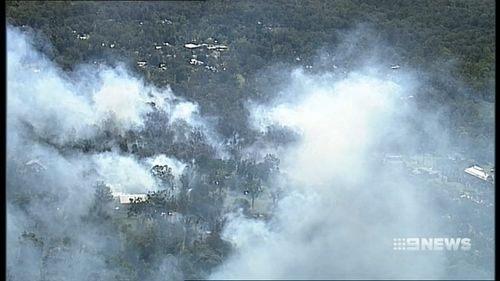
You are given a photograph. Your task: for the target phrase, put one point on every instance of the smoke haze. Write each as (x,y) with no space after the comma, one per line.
(340,206)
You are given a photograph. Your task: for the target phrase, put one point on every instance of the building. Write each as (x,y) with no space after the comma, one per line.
(209,47)
(195,62)
(36,165)
(124,198)
(479,173)
(217,47)
(192,46)
(83,36)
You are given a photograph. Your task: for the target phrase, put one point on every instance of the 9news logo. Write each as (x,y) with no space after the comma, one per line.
(431,244)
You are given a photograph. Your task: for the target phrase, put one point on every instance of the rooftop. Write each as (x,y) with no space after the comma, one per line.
(477,172)
(128,198)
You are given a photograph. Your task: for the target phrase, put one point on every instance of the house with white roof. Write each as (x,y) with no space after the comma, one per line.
(478,172)
(124,198)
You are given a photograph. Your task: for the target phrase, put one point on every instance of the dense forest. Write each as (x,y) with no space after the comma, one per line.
(218,58)
(453,40)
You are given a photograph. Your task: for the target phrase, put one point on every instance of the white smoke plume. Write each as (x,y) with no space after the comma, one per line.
(342,207)
(124,174)
(51,184)
(176,165)
(45,103)
(70,106)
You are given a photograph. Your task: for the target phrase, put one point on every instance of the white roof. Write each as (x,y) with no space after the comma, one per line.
(477,171)
(196,62)
(477,168)
(192,46)
(36,163)
(211,47)
(214,47)
(125,198)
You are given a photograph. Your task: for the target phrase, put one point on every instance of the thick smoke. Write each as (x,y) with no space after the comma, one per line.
(342,206)
(46,105)
(76,105)
(340,202)
(52,116)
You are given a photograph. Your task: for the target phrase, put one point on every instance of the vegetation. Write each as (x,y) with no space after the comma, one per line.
(453,39)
